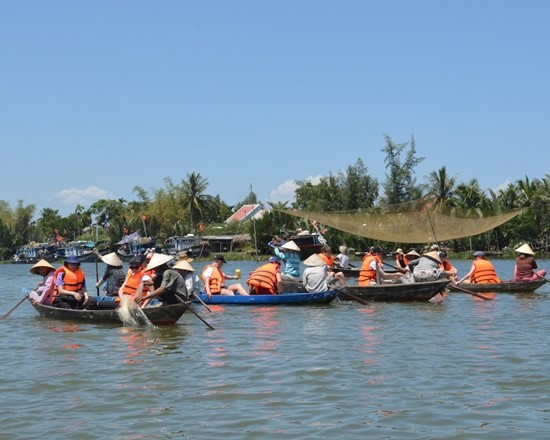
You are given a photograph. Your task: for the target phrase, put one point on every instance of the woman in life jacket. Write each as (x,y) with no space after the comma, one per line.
(70,287)
(482,271)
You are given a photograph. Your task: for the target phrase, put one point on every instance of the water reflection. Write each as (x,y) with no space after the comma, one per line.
(266,329)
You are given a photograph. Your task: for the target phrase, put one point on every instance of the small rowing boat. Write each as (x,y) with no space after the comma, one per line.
(288,299)
(158,315)
(503,286)
(424,291)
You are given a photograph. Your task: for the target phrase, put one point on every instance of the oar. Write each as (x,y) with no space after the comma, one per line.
(17,305)
(201,301)
(462,289)
(96,275)
(356,298)
(194,313)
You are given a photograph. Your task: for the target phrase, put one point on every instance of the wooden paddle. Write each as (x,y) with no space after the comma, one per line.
(192,311)
(201,301)
(355,298)
(486,298)
(96,273)
(17,305)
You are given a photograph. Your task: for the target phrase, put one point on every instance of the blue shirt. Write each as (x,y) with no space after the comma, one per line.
(292,262)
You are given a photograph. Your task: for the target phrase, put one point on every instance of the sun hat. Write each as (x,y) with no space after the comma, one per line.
(184,256)
(343,249)
(398,251)
(376,250)
(274,260)
(291,246)
(525,249)
(39,265)
(219,258)
(479,254)
(72,260)
(314,261)
(434,247)
(413,253)
(183,265)
(434,255)
(112,259)
(158,260)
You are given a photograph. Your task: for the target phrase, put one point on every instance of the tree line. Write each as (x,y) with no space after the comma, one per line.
(186,207)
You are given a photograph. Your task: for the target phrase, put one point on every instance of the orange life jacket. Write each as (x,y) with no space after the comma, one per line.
(132,282)
(366,274)
(328,260)
(484,273)
(72,281)
(265,277)
(217,280)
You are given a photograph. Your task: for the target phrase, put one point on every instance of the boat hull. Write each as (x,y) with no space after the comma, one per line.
(505,286)
(396,292)
(272,300)
(162,315)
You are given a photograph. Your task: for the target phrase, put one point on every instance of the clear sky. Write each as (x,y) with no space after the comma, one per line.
(99,96)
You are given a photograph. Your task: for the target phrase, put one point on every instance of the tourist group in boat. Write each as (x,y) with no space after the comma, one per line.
(154,279)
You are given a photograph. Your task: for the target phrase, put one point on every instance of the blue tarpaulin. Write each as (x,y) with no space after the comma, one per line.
(129,238)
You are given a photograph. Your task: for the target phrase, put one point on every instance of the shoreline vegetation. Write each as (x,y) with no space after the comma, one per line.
(184,208)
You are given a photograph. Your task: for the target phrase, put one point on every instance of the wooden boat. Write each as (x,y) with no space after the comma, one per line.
(423,292)
(160,315)
(295,298)
(503,286)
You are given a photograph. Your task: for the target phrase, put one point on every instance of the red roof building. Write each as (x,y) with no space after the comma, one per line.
(245,212)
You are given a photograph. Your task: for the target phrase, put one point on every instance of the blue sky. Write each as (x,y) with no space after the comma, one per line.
(99,96)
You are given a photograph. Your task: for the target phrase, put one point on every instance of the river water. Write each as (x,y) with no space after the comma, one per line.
(462,369)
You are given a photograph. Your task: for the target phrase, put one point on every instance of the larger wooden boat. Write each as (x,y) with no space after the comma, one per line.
(424,291)
(503,286)
(272,300)
(160,315)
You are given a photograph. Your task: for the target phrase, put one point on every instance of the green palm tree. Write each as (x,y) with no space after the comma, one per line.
(194,199)
(441,186)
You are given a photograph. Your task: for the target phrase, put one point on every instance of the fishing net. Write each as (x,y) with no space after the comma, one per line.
(421,221)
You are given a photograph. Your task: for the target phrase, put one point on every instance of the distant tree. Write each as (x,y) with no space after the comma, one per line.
(194,199)
(358,188)
(441,186)
(24,225)
(400,184)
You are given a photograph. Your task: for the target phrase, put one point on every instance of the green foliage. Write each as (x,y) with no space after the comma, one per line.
(400,185)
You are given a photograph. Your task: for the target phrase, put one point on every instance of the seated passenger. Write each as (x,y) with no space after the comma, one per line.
(43,294)
(482,271)
(427,268)
(290,254)
(266,279)
(372,269)
(214,280)
(326,256)
(315,277)
(113,275)
(449,271)
(524,270)
(70,291)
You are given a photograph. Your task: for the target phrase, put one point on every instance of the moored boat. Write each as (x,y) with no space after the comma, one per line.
(397,292)
(159,315)
(504,286)
(292,298)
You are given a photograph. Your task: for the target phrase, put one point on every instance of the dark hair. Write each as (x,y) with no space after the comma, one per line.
(443,254)
(376,250)
(325,248)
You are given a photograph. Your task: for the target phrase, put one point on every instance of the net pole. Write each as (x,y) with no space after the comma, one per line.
(431,224)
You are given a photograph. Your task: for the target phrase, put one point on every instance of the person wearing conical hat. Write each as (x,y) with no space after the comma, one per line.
(343,257)
(192,280)
(289,253)
(113,276)
(43,294)
(524,269)
(427,268)
(315,276)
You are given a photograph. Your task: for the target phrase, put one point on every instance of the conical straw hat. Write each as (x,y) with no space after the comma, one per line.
(40,264)
(413,253)
(183,265)
(291,246)
(111,259)
(314,261)
(434,255)
(525,249)
(158,260)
